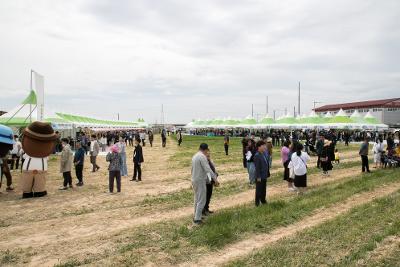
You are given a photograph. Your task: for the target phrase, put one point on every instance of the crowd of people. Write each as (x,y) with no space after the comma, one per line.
(73,152)
(295,155)
(257,148)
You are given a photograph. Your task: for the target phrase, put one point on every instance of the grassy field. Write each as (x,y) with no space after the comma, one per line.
(150,223)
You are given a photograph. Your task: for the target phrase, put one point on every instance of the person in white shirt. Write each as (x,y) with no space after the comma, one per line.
(103,142)
(377,150)
(15,153)
(299,164)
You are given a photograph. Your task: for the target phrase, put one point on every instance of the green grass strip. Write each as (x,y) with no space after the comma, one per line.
(343,241)
(184,197)
(191,144)
(231,225)
(175,242)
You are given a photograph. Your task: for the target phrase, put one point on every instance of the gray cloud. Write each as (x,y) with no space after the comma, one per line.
(200,59)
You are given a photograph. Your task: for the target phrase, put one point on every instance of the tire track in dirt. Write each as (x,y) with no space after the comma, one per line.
(102,201)
(74,237)
(66,203)
(124,218)
(250,245)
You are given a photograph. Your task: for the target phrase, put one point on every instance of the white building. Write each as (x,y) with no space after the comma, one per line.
(387,111)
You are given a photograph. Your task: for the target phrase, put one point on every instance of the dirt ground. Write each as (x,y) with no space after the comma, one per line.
(83,219)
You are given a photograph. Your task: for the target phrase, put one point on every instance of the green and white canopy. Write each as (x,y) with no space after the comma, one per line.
(23,114)
(312,121)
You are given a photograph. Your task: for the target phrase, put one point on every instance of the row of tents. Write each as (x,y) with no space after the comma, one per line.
(24,113)
(313,121)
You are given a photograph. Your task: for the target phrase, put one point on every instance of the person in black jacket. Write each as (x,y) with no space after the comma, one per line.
(163,138)
(244,145)
(210,185)
(137,161)
(319,147)
(262,173)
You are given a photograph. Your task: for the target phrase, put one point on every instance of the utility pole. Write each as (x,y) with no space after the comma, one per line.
(299,102)
(252,110)
(274,113)
(162,114)
(266,106)
(118,116)
(294,111)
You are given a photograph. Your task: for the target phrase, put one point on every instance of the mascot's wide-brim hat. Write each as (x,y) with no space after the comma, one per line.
(6,140)
(38,139)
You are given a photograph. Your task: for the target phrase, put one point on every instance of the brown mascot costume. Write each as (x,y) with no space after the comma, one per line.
(38,143)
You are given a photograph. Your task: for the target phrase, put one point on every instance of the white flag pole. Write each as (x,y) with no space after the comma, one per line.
(30,105)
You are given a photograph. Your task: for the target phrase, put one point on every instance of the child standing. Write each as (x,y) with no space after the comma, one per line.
(337,156)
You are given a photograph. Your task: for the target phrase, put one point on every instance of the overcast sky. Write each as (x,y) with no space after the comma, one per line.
(201,59)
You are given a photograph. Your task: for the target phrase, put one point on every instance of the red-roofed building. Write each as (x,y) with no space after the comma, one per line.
(386,111)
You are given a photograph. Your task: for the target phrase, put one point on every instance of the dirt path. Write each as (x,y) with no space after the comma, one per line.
(93,197)
(65,205)
(248,246)
(53,241)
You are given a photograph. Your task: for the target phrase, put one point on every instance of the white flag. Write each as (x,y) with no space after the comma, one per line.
(39,86)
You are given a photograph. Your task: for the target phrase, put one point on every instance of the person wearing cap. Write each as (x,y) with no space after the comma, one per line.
(6,144)
(66,163)
(262,173)
(201,173)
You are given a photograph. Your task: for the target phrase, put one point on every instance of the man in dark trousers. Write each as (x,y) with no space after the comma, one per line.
(163,137)
(319,147)
(226,144)
(137,161)
(179,138)
(79,159)
(151,138)
(262,173)
(364,155)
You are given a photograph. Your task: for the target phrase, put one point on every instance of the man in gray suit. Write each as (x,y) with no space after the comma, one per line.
(201,172)
(94,151)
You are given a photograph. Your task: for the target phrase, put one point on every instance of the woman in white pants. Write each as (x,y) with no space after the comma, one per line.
(377,151)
